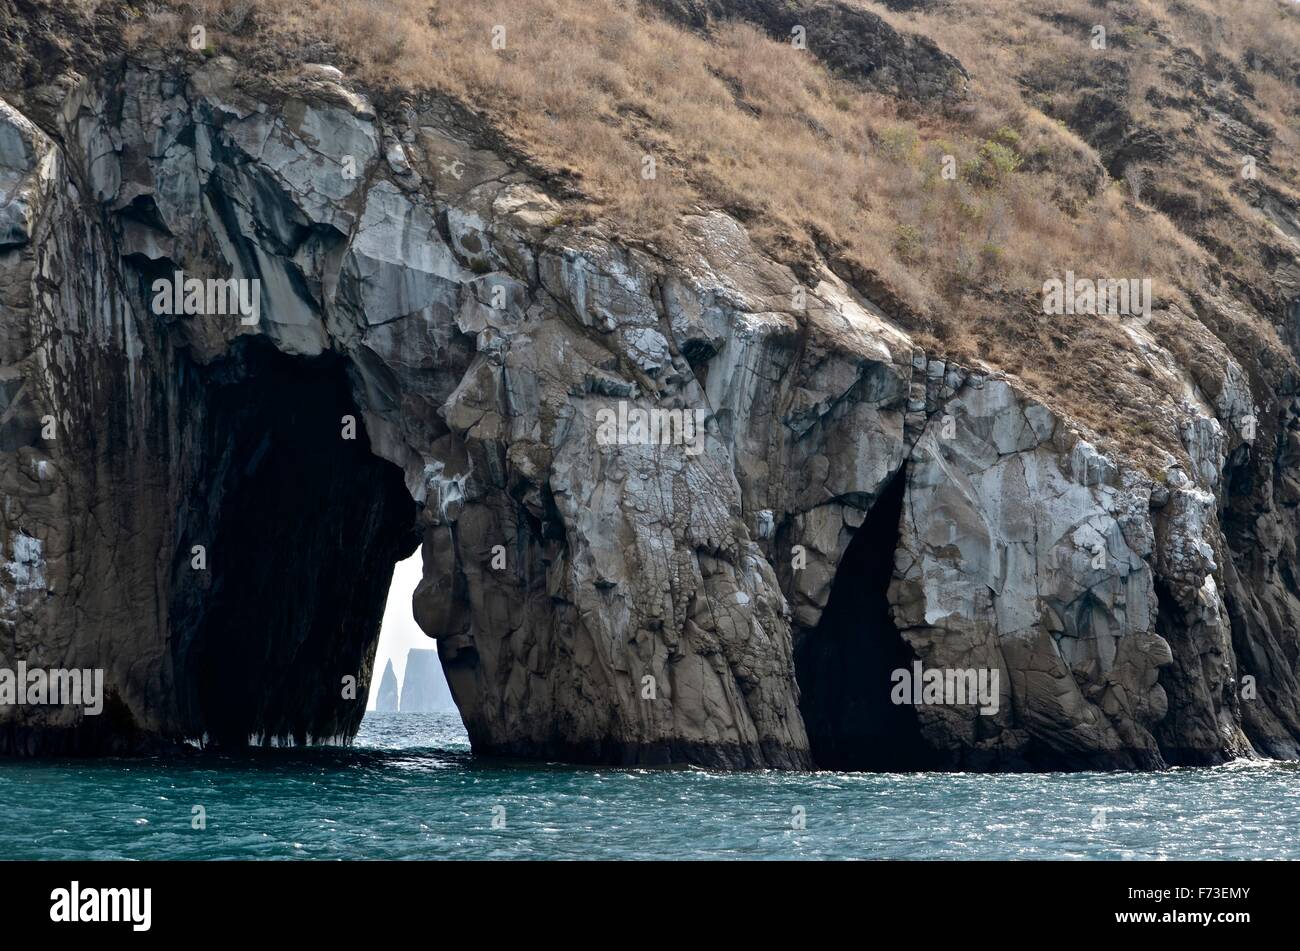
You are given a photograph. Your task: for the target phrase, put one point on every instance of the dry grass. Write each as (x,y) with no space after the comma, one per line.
(813,163)
(743,123)
(1045,46)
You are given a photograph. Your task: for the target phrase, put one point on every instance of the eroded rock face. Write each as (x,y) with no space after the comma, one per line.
(851,40)
(1024,550)
(598,594)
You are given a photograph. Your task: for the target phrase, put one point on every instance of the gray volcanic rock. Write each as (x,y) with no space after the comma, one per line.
(851,40)
(387,701)
(424,686)
(214,514)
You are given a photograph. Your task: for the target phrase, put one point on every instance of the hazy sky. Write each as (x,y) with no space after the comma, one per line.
(399,632)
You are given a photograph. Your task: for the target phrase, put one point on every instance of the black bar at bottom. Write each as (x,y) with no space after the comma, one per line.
(379,899)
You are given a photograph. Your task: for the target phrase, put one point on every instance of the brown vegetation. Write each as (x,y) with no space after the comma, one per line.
(1048,177)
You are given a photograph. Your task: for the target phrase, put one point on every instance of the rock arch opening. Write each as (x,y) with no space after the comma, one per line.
(408,675)
(300,528)
(844,665)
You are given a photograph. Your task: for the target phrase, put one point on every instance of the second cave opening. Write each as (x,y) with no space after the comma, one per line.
(844,664)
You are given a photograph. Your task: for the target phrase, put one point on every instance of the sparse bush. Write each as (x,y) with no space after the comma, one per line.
(235,15)
(992,166)
(991,256)
(1135,178)
(907,242)
(1007,136)
(899,143)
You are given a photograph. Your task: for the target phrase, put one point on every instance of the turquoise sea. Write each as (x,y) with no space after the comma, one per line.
(409,789)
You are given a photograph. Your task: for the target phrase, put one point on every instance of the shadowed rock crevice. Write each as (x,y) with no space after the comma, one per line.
(301,528)
(1190,706)
(844,665)
(1261,590)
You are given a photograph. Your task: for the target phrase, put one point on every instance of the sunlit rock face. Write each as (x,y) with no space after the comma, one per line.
(634,480)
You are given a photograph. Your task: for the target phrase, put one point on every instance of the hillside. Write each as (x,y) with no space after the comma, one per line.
(1119,162)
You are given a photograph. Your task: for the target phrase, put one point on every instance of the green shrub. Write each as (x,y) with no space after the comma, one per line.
(992,166)
(1007,136)
(991,256)
(899,142)
(907,242)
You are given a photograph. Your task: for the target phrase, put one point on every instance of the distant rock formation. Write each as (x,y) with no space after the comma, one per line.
(424,686)
(387,702)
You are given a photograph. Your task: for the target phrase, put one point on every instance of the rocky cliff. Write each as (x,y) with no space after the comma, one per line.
(208,504)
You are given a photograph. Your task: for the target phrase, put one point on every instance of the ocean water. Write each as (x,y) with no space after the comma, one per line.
(409,789)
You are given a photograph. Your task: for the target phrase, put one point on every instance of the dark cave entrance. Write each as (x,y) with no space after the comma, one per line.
(844,665)
(302,528)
